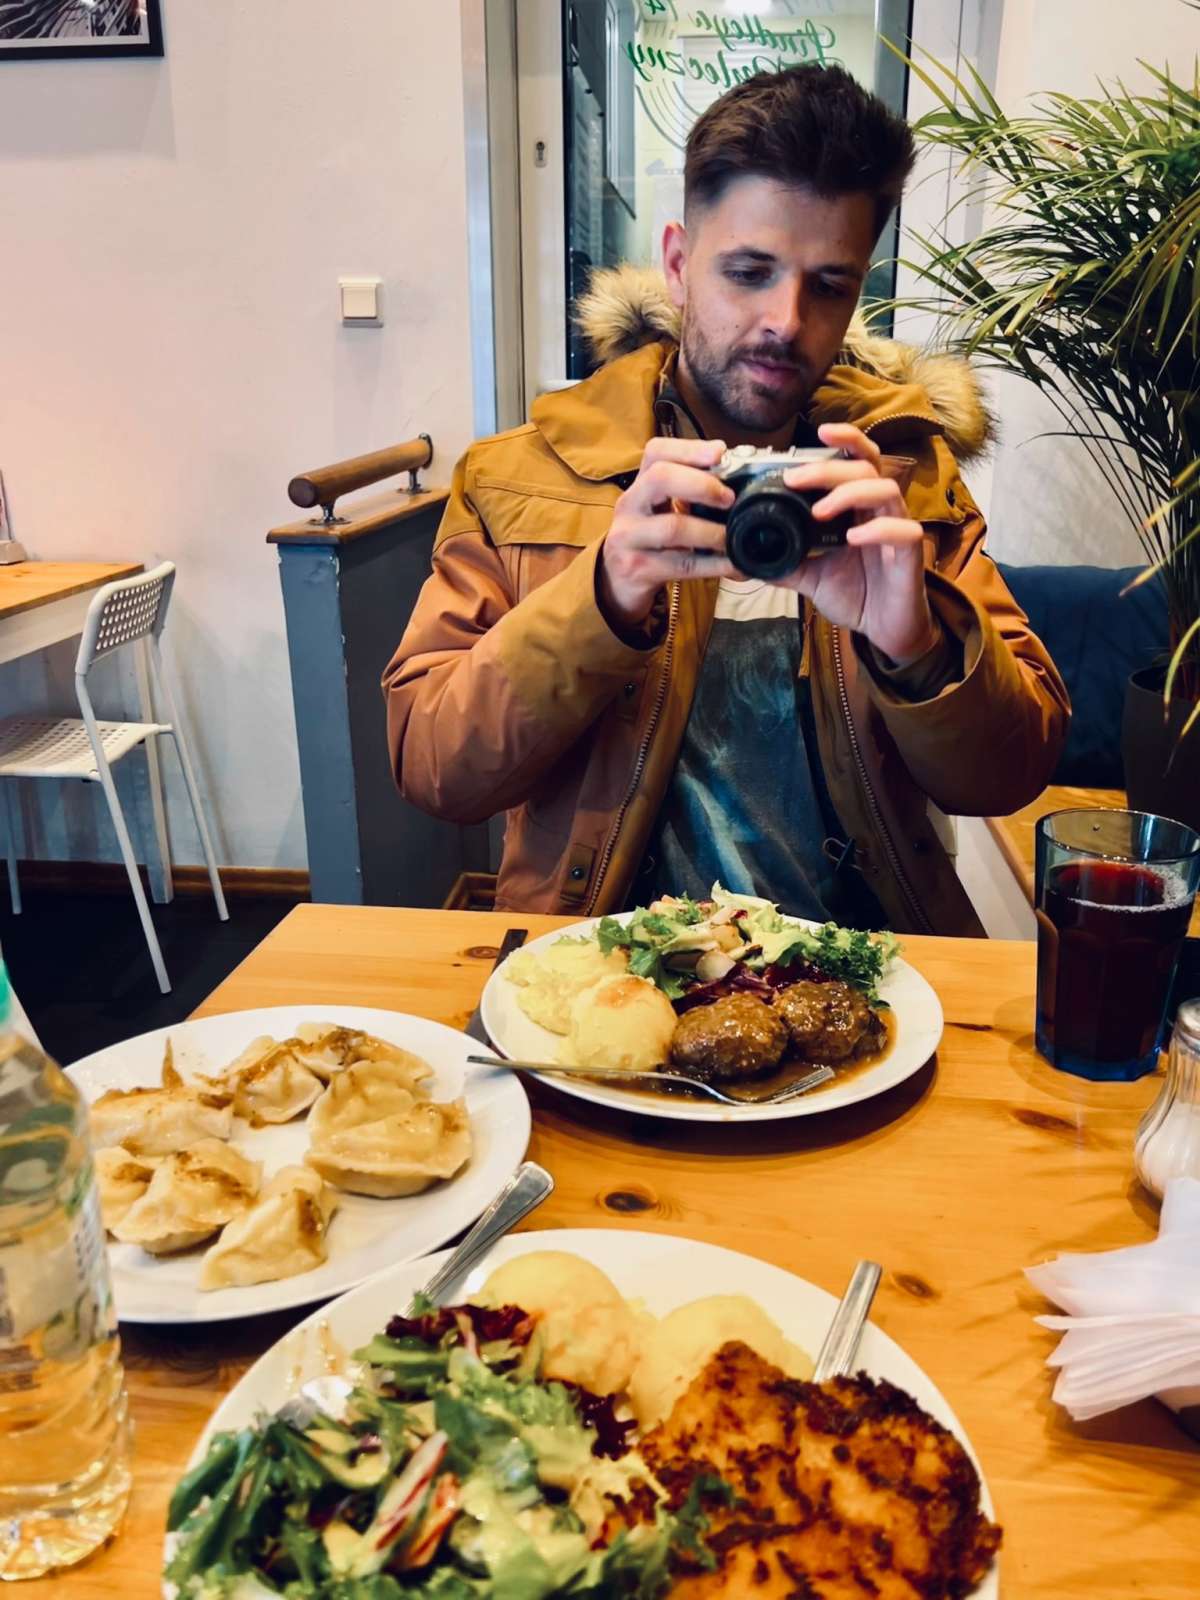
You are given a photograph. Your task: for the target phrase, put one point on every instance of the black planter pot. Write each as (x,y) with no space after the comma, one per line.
(1161,774)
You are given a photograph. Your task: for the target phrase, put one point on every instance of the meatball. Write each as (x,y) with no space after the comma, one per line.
(875,1036)
(828,1022)
(803,1009)
(738,1037)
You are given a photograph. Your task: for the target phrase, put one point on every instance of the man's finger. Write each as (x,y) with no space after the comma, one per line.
(900,532)
(692,452)
(675,530)
(665,481)
(845,436)
(863,494)
(694,564)
(827,474)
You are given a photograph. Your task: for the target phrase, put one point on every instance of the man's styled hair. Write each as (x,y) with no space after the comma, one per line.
(809,126)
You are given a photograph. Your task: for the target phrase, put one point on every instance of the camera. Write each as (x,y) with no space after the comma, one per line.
(769,528)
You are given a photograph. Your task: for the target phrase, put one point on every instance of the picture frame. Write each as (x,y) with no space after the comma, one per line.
(11,550)
(50,30)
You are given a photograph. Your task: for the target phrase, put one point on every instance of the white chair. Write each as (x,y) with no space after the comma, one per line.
(41,747)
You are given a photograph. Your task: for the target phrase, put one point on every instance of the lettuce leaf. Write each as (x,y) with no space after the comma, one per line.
(857,958)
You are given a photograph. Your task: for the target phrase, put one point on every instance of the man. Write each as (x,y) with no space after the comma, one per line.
(585,658)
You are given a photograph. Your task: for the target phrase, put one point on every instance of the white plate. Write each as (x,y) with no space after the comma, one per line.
(918,1031)
(365,1235)
(662,1271)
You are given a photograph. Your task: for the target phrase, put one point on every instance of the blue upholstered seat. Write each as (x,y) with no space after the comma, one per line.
(1097,638)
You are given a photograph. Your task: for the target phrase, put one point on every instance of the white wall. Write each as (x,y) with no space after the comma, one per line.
(1045,500)
(171,235)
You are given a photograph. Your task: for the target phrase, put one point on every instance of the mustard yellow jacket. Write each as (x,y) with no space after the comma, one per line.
(510,692)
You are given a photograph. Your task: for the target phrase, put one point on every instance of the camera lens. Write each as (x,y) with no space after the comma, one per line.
(767,531)
(764,545)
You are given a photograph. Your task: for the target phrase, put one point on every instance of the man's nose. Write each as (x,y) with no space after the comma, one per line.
(784,312)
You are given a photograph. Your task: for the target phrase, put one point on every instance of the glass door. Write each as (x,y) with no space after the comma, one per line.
(609,90)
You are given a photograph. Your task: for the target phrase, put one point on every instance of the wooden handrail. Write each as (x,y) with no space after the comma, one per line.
(324,485)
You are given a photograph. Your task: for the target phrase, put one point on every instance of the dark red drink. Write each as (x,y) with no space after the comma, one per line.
(1109,935)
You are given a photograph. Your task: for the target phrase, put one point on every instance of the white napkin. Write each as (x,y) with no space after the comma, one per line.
(1133,1323)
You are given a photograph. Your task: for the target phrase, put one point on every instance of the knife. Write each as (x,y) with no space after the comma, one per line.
(513,940)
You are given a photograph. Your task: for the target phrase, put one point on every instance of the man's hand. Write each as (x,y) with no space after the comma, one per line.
(876,584)
(653,539)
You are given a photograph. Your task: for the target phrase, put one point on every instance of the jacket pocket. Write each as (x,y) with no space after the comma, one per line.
(524,514)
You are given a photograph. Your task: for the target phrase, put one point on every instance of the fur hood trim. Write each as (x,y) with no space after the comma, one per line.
(627,307)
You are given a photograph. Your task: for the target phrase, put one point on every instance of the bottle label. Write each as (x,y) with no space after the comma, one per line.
(55,1301)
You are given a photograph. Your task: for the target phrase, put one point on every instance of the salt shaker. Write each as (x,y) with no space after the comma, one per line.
(1167,1143)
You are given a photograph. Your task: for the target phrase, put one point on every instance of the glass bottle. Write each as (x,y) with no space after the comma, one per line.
(1167,1143)
(64,1427)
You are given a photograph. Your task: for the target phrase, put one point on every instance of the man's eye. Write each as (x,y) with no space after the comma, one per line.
(746,275)
(833,289)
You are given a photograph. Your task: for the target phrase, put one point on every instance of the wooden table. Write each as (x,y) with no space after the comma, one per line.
(1016,835)
(44,602)
(986,1161)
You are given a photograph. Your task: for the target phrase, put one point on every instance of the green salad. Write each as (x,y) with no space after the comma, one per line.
(679,944)
(456,1472)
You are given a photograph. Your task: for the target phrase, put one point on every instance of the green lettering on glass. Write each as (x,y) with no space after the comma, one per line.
(812,41)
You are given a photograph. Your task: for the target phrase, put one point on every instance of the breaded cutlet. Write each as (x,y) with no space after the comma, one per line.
(844,1490)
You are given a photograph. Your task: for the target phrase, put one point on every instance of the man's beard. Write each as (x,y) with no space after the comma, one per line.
(730,389)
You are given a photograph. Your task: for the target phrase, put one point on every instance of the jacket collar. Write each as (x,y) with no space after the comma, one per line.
(601,426)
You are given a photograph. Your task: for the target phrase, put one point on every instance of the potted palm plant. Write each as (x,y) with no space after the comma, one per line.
(1086,282)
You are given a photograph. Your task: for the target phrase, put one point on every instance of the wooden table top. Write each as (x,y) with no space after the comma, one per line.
(27,584)
(1016,835)
(985,1162)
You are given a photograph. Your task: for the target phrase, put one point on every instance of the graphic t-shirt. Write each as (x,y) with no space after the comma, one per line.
(747,803)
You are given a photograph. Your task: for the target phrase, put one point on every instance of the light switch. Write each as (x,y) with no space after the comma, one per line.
(360,302)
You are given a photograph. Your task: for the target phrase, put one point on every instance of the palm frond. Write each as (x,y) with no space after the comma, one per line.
(60,19)
(1086,282)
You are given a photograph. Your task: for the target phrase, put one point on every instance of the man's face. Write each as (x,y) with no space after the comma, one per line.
(767,280)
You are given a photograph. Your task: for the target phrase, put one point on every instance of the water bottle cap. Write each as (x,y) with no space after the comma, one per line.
(5,999)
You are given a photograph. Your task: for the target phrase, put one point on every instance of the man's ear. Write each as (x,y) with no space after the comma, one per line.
(674,257)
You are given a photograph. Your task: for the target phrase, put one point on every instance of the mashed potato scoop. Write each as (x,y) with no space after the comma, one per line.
(549,981)
(680,1345)
(622,1022)
(589,1333)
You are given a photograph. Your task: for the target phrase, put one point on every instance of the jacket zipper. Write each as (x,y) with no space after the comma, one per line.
(610,843)
(893,855)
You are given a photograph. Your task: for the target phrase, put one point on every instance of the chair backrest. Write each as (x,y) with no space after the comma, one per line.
(124,611)
(1098,637)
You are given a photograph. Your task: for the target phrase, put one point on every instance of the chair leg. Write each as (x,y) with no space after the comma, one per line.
(131,866)
(193,788)
(10,820)
(161,884)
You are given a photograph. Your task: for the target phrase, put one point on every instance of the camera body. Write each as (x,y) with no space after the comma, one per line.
(769,528)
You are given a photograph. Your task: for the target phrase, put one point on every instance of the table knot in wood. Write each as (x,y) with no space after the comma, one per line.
(917,1287)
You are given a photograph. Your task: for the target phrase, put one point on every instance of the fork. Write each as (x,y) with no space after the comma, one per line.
(837,1354)
(774,1097)
(526,1189)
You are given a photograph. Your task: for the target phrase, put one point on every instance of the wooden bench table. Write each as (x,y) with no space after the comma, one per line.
(986,1161)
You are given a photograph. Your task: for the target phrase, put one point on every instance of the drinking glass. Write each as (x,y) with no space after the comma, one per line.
(1114,896)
